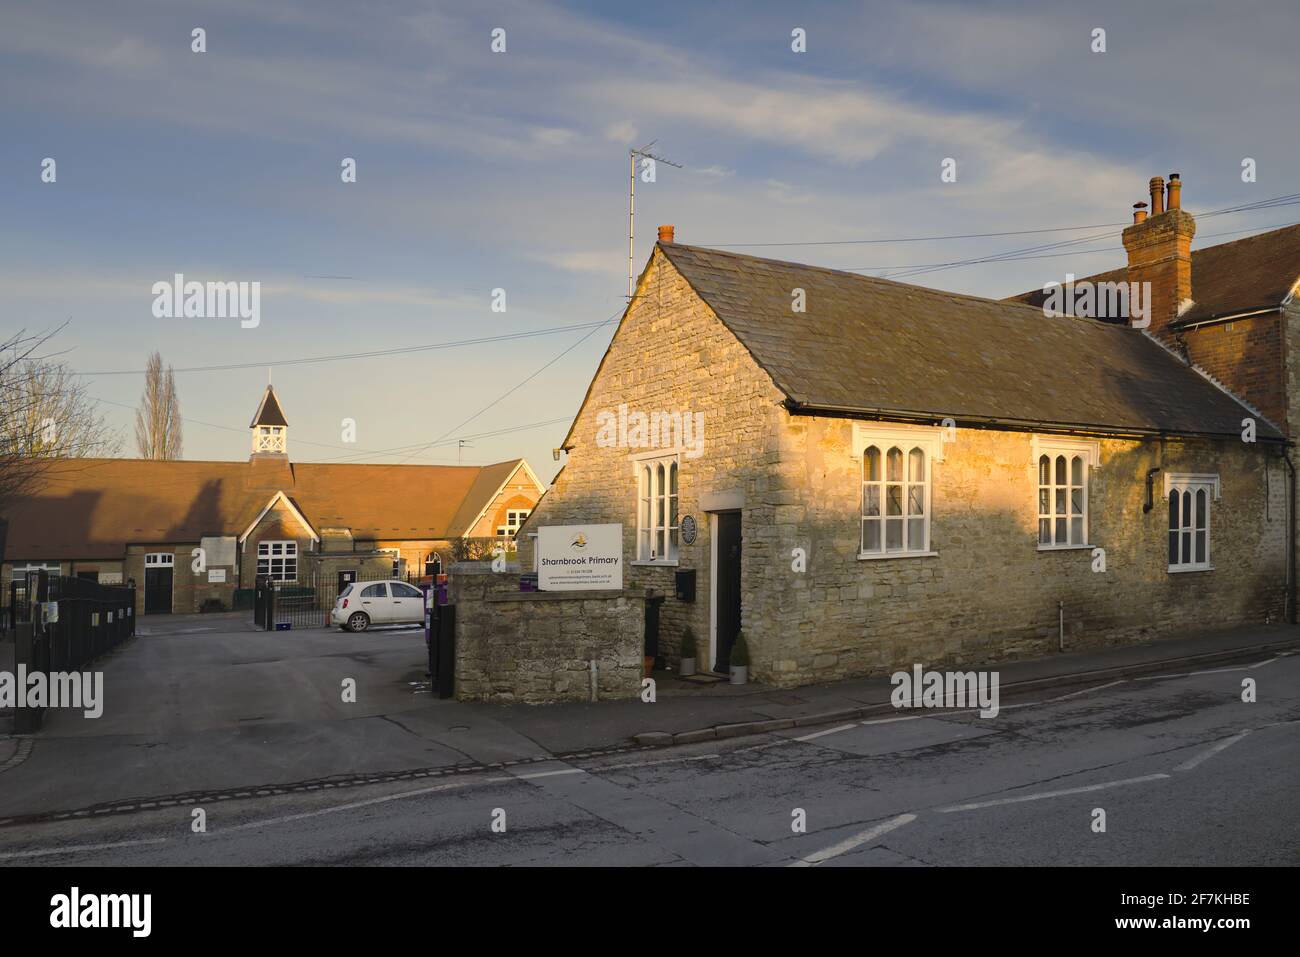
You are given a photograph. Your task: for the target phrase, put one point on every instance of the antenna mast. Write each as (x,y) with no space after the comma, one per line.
(631,208)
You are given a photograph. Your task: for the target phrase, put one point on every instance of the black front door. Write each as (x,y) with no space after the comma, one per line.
(157,591)
(346,578)
(728,578)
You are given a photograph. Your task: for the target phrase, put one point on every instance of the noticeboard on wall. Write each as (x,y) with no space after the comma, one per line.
(579,557)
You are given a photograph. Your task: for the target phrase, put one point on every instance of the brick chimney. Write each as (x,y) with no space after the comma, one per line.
(1159,247)
(666,234)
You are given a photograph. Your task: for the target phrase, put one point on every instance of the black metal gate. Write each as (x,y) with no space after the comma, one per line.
(68,622)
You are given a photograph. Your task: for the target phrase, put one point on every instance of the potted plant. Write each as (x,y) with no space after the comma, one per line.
(739,660)
(688,652)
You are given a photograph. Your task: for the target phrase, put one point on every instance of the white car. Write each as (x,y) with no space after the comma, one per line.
(363,604)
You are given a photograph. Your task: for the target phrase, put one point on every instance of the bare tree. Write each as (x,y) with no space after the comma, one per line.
(158,419)
(45,415)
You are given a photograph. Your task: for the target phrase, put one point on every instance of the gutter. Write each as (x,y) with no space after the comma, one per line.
(795,407)
(1223,317)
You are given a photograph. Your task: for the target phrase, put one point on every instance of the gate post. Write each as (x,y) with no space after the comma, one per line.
(446,651)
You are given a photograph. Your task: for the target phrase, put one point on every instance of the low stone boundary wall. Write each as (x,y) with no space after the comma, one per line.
(537,647)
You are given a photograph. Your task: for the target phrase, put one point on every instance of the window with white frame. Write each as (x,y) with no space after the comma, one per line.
(159,560)
(278,560)
(656,511)
(1062,468)
(514,518)
(897,466)
(1189,497)
(19,572)
(399,563)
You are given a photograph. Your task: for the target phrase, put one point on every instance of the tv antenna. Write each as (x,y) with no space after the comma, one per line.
(461,445)
(631,208)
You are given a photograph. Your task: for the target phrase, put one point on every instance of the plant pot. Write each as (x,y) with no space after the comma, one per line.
(649,665)
(687,667)
(739,674)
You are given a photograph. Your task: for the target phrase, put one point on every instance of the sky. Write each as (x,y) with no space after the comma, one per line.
(479,171)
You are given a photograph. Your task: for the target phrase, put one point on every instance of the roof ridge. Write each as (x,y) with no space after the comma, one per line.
(667,247)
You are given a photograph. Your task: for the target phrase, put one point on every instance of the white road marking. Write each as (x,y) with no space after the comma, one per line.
(650,764)
(289,818)
(545,774)
(1052,794)
(822,734)
(1211,752)
(1075,694)
(910,717)
(857,840)
(77,849)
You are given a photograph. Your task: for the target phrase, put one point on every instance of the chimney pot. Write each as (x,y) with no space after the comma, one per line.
(1175,191)
(1157,195)
(1139,212)
(666,234)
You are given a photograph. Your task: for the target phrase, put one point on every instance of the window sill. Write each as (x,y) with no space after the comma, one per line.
(883,556)
(1183,569)
(656,564)
(1065,548)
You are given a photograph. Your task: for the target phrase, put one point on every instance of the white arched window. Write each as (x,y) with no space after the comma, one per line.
(656,512)
(1061,471)
(1189,498)
(895,500)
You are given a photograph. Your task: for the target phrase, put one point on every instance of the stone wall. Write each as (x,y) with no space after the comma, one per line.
(670,354)
(990,593)
(536,647)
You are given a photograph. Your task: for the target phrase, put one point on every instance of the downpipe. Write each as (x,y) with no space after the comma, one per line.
(1290,542)
(1060,614)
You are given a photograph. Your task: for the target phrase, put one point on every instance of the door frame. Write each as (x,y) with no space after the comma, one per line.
(171,567)
(713,581)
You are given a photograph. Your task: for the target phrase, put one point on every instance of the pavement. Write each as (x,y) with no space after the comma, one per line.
(1173,769)
(686,712)
(206,707)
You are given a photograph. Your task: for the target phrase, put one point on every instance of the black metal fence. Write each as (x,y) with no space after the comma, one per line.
(14,607)
(62,624)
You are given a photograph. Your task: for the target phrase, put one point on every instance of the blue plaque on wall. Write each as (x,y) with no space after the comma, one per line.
(688,530)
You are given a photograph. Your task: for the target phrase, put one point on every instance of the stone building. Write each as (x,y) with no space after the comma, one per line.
(880,474)
(116,520)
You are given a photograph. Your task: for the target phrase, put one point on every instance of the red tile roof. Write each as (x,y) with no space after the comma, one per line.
(1245,275)
(91,508)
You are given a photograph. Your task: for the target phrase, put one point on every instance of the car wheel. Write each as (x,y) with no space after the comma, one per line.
(359,621)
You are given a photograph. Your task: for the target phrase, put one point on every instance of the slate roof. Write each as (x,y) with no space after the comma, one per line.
(269,411)
(91,508)
(880,349)
(1245,275)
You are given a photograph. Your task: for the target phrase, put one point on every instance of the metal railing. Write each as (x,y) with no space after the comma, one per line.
(62,624)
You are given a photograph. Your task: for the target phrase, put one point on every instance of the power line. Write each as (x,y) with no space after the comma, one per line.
(911,239)
(1073,252)
(521,383)
(1289,199)
(363,355)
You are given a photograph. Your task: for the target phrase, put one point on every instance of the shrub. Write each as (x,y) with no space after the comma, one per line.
(740,651)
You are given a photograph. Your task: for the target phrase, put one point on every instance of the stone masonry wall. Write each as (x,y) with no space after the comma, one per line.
(535,647)
(670,354)
(990,593)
